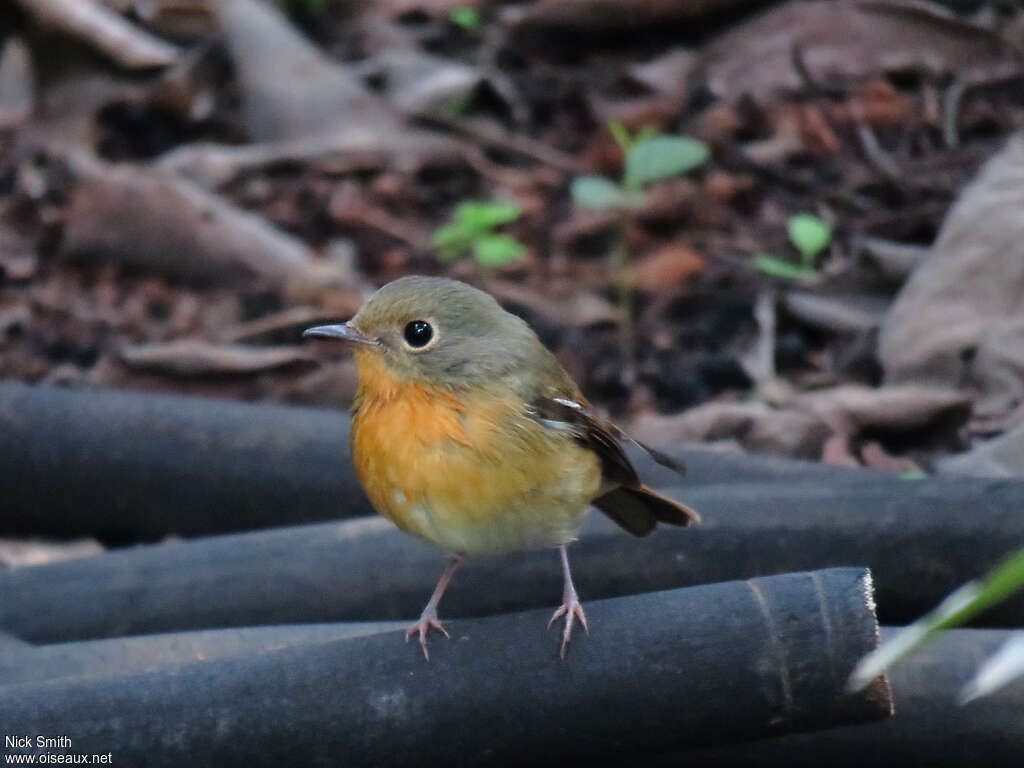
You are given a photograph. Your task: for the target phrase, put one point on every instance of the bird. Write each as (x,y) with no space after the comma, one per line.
(467,432)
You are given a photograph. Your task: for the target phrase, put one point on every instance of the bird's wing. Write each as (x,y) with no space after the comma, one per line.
(592,432)
(600,436)
(624,498)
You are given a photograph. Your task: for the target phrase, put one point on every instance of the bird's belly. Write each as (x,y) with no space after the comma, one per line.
(480,485)
(538,519)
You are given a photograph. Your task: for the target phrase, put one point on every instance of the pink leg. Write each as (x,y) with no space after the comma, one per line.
(428,619)
(571,607)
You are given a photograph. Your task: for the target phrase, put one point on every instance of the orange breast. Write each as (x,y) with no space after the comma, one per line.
(473,473)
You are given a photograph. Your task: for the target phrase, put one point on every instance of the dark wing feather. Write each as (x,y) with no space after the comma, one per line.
(629,503)
(593,433)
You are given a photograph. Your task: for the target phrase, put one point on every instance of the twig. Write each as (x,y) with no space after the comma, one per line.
(951,111)
(287,318)
(760,365)
(880,160)
(497,137)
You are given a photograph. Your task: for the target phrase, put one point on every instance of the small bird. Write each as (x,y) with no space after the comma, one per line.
(467,432)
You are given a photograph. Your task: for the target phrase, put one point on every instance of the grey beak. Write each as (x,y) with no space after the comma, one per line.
(343,331)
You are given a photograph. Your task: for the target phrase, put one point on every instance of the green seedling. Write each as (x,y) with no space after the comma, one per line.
(787,270)
(472,231)
(625,139)
(649,157)
(465,16)
(810,236)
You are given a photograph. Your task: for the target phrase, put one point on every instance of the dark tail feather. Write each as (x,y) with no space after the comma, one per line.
(660,457)
(639,510)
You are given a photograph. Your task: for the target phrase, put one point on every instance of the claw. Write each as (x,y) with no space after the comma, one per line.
(428,619)
(572,610)
(423,627)
(571,607)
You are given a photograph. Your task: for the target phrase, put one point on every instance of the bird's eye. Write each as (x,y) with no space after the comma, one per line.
(418,334)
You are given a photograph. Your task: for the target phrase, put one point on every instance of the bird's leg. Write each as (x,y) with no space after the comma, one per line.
(428,619)
(571,607)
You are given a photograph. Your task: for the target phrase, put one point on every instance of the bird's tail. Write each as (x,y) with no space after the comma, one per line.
(639,510)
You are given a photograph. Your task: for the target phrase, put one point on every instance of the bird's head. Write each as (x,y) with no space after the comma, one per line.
(437,331)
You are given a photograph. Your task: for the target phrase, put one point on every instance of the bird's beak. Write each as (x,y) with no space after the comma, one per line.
(343,331)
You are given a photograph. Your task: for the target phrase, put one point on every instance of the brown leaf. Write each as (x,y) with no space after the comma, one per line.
(100,27)
(666,269)
(876,457)
(959,320)
(836,451)
(1000,457)
(163,224)
(290,90)
(756,426)
(852,408)
(840,41)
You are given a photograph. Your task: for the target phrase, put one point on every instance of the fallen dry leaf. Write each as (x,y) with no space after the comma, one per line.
(958,322)
(290,90)
(836,42)
(156,221)
(756,426)
(876,457)
(1002,456)
(807,425)
(100,27)
(836,451)
(852,408)
(667,267)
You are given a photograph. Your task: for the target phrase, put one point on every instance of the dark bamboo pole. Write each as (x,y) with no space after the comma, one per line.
(917,537)
(668,670)
(929,726)
(25,663)
(128,467)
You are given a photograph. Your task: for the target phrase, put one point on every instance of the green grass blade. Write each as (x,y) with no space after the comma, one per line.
(959,607)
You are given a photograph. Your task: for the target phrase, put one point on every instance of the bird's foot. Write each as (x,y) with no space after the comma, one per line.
(428,621)
(572,610)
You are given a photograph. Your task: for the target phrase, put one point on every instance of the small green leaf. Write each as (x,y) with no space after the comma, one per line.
(451,241)
(481,217)
(621,135)
(497,250)
(809,234)
(646,132)
(599,193)
(661,157)
(451,234)
(957,608)
(784,269)
(912,474)
(465,16)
